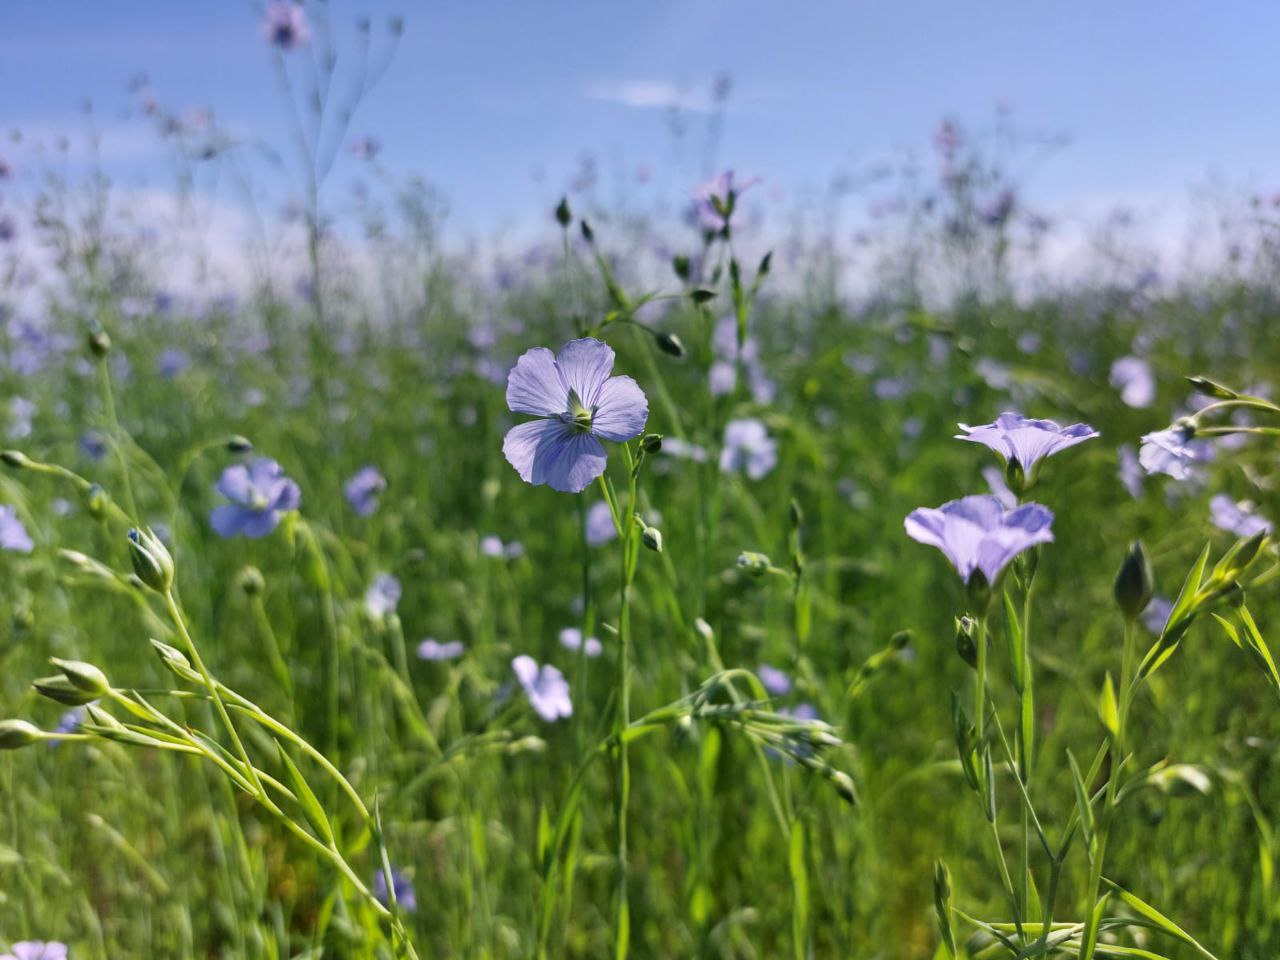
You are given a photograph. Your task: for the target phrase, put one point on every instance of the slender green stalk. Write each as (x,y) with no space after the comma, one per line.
(622,912)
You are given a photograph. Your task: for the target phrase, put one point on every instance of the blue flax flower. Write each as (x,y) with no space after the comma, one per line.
(578,405)
(285,25)
(259,493)
(1026,442)
(36,950)
(406,896)
(362,491)
(545,686)
(978,534)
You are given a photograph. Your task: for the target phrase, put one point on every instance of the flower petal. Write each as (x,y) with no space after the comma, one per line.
(259,523)
(585,365)
(229,519)
(557,454)
(621,410)
(526,670)
(535,385)
(235,484)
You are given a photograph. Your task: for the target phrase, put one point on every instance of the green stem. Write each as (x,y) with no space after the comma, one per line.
(622,916)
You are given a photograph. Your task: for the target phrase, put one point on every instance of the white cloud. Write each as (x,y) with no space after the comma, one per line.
(649,95)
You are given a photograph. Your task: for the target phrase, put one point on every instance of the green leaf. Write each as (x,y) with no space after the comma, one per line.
(1082,800)
(1017,644)
(1160,921)
(307,800)
(942,906)
(800,890)
(1179,619)
(1108,711)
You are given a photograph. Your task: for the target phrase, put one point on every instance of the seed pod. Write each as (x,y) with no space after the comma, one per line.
(652,538)
(669,343)
(756,564)
(16,734)
(85,676)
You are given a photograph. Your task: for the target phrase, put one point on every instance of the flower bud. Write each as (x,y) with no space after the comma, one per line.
(85,676)
(669,343)
(251,581)
(900,639)
(151,560)
(97,501)
(680,266)
(965,645)
(63,691)
(1135,583)
(651,442)
(15,734)
(15,458)
(756,564)
(844,786)
(99,343)
(563,215)
(1211,388)
(588,234)
(652,538)
(239,444)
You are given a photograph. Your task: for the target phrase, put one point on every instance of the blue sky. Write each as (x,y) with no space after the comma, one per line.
(481,95)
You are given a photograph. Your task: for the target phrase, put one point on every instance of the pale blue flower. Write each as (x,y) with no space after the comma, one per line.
(1238,518)
(1023,441)
(432,649)
(545,686)
(406,896)
(599,525)
(748,448)
(382,596)
(13,535)
(1132,376)
(363,490)
(285,25)
(578,404)
(36,950)
(260,495)
(774,680)
(977,533)
(1174,452)
(571,639)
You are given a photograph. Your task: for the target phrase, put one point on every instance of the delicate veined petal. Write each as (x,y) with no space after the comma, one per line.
(235,483)
(585,365)
(284,495)
(536,385)
(554,453)
(621,410)
(229,519)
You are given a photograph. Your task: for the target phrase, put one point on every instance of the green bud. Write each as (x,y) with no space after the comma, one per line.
(588,234)
(151,560)
(796,513)
(979,591)
(900,640)
(765,263)
(1016,477)
(175,661)
(1211,388)
(63,691)
(16,734)
(651,443)
(97,501)
(965,645)
(652,538)
(1237,559)
(564,216)
(85,676)
(756,564)
(669,343)
(680,265)
(15,458)
(251,581)
(1135,583)
(239,444)
(702,296)
(844,786)
(99,343)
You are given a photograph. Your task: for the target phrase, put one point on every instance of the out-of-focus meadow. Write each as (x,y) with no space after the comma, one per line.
(366,692)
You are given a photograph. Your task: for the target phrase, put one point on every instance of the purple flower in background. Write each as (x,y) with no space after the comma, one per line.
(774,680)
(715,200)
(578,404)
(683,449)
(1157,614)
(978,533)
(69,722)
(1132,376)
(406,897)
(172,362)
(432,649)
(599,525)
(546,688)
(366,148)
(492,546)
(1026,442)
(382,596)
(285,25)
(1130,471)
(259,494)
(1174,452)
(362,490)
(93,445)
(13,535)
(1237,518)
(36,950)
(723,375)
(748,447)
(571,639)
(21,411)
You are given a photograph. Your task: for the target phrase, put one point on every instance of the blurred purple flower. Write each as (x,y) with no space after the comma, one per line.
(683,449)
(546,688)
(93,445)
(571,639)
(1131,474)
(259,493)
(599,526)
(36,950)
(13,535)
(999,488)
(285,25)
(577,403)
(492,546)
(406,897)
(432,649)
(1132,376)
(1174,452)
(748,447)
(715,201)
(382,596)
(1026,442)
(173,361)
(69,722)
(366,148)
(1237,518)
(774,680)
(1157,614)
(978,533)
(363,489)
